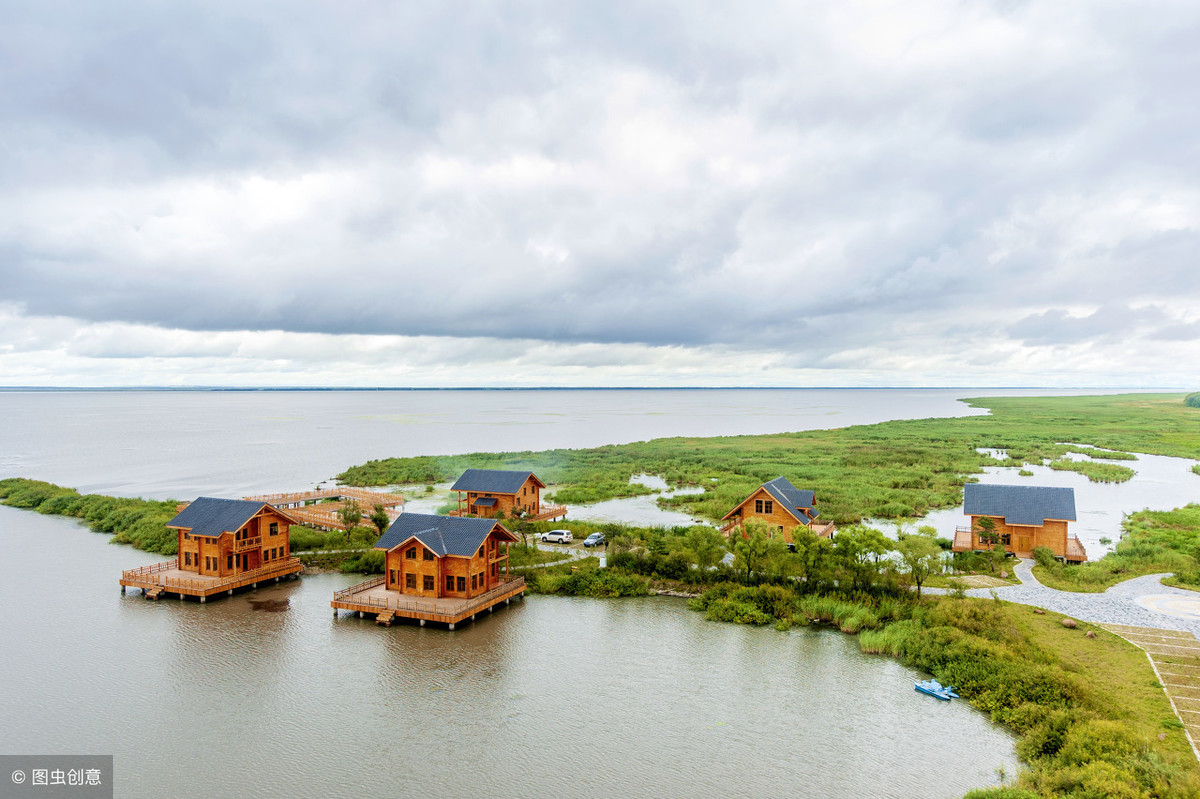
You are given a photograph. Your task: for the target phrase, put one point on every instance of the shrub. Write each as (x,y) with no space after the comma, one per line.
(1045,557)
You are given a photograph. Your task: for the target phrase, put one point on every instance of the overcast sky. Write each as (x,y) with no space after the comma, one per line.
(600,193)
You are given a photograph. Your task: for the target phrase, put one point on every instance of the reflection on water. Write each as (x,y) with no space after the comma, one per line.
(547,697)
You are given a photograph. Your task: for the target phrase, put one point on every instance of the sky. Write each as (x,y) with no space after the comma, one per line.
(599,193)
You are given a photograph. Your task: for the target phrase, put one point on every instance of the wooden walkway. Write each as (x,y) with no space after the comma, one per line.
(319,507)
(372,597)
(1175,657)
(545,512)
(167,578)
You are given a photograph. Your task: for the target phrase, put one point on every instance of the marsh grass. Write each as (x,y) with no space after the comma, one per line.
(1154,542)
(899,469)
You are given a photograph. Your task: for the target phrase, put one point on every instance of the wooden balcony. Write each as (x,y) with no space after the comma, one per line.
(1075,551)
(964,540)
(372,596)
(544,513)
(247,543)
(166,577)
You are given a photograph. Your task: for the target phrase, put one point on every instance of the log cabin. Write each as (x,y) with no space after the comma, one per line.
(437,568)
(782,506)
(1026,517)
(444,556)
(227,537)
(487,493)
(223,544)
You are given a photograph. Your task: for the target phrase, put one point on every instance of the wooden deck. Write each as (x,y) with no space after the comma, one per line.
(372,597)
(545,512)
(964,541)
(167,578)
(319,507)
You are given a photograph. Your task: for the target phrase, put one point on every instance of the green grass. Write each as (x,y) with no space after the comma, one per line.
(1096,472)
(583,578)
(899,469)
(138,522)
(519,556)
(1154,542)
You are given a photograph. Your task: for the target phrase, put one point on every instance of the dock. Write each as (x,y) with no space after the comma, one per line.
(386,605)
(160,579)
(319,507)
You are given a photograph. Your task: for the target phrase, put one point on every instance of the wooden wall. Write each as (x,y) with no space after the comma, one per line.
(193,550)
(529,498)
(779,519)
(397,566)
(1024,539)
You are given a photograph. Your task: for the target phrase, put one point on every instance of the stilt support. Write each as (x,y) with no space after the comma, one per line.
(422,622)
(122,590)
(451,625)
(203,598)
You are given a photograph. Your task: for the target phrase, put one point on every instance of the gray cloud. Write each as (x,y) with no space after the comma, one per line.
(808,182)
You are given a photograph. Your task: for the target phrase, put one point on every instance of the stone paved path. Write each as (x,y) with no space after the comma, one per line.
(1175,657)
(1117,605)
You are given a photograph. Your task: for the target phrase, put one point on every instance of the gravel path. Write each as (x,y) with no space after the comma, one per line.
(1117,605)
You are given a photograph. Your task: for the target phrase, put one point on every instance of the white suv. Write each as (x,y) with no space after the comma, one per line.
(557,537)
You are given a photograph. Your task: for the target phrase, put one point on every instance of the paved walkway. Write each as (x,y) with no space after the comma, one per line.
(1140,602)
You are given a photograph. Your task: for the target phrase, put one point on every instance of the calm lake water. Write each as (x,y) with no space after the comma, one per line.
(548,697)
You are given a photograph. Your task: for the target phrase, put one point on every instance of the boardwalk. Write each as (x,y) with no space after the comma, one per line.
(319,507)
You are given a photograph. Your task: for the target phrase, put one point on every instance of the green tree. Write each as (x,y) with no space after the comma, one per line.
(859,551)
(380,518)
(921,556)
(985,529)
(705,546)
(814,557)
(614,538)
(350,514)
(751,549)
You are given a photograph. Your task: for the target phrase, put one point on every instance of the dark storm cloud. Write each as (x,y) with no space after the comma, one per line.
(807,180)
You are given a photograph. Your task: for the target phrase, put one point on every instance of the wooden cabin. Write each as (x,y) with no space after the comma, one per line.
(437,568)
(224,544)
(227,537)
(485,493)
(1026,517)
(782,506)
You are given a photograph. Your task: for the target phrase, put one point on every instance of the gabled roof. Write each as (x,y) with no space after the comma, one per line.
(796,502)
(493,481)
(1023,505)
(209,516)
(444,535)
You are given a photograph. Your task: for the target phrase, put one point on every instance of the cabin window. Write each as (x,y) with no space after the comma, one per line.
(449,582)
(428,582)
(428,555)
(462,583)
(411,554)
(229,562)
(768,507)
(493,569)
(482,580)
(758,506)
(474,583)
(479,554)
(274,529)
(187,558)
(410,581)
(1006,539)
(391,576)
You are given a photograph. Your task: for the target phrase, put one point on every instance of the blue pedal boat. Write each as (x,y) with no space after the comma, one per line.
(935,688)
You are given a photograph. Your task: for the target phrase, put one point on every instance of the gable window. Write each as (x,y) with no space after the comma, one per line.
(479,554)
(449,582)
(462,583)
(768,507)
(411,554)
(274,528)
(758,506)
(410,581)
(428,555)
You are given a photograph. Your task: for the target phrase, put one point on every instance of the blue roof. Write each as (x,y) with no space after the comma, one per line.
(793,498)
(444,535)
(1023,505)
(493,481)
(209,516)
(484,502)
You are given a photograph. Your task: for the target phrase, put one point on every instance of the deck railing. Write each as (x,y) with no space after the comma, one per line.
(144,575)
(426,606)
(247,543)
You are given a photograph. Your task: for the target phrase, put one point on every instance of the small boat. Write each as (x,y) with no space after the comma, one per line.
(935,688)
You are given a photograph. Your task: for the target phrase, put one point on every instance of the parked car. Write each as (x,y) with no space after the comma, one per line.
(557,537)
(594,540)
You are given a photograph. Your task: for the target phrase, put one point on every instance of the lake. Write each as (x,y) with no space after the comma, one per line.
(548,697)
